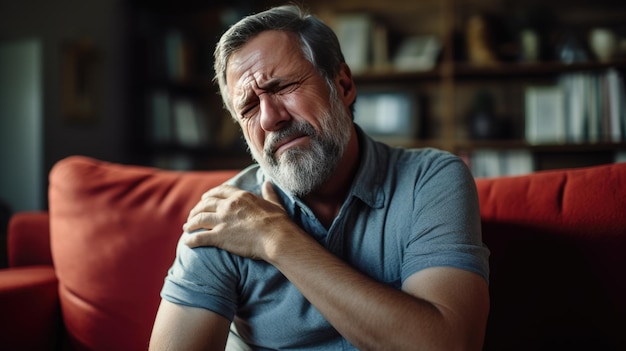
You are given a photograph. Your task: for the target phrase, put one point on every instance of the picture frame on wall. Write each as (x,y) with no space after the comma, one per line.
(79,58)
(545,115)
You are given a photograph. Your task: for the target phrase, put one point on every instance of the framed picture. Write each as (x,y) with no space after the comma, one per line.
(389,114)
(78,80)
(545,117)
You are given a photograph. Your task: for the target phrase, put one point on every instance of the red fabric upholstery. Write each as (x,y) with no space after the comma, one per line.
(557,241)
(113,232)
(29,317)
(28,241)
(558,262)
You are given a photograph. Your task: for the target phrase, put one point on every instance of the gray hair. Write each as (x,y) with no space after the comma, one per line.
(319,43)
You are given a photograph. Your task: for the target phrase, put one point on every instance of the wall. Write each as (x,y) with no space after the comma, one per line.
(21,125)
(53,24)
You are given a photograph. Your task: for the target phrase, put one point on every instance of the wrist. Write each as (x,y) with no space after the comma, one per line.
(284,241)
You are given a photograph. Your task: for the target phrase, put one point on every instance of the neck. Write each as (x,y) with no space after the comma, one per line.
(328,199)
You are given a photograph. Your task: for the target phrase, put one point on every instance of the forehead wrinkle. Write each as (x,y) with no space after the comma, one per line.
(257,85)
(253,72)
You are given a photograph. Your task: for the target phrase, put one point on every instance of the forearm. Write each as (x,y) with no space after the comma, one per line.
(438,308)
(179,327)
(369,314)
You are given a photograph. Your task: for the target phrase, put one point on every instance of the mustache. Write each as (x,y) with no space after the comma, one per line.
(292,129)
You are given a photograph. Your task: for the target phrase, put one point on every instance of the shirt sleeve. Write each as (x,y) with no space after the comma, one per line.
(446,220)
(204,277)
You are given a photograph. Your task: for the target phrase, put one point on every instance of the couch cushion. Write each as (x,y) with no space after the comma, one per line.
(558,259)
(30,311)
(114,230)
(28,240)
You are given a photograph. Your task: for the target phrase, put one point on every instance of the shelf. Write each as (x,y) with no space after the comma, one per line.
(464,70)
(394,76)
(470,145)
(411,143)
(526,70)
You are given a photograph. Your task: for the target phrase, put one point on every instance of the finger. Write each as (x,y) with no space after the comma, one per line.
(200,221)
(221,191)
(207,204)
(202,238)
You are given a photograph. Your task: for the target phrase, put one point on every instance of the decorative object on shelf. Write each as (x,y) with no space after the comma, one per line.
(603,43)
(530,45)
(479,43)
(417,53)
(483,123)
(570,50)
(537,23)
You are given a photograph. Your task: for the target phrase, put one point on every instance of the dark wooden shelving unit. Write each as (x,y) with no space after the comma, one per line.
(445,92)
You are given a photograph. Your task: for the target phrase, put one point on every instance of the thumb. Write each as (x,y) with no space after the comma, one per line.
(269,194)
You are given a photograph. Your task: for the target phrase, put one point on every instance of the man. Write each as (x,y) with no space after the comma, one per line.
(333,241)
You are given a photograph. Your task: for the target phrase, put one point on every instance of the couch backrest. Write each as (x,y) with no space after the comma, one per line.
(557,240)
(558,259)
(113,233)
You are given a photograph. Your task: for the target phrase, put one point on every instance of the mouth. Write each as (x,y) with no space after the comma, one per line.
(289,142)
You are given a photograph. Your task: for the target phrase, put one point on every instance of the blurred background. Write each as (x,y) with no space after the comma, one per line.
(511,86)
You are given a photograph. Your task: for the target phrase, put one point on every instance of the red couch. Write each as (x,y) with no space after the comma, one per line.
(87,275)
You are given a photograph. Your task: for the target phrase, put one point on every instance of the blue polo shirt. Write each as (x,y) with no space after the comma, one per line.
(407,210)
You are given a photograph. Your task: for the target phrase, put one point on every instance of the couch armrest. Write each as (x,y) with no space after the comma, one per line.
(28,239)
(29,301)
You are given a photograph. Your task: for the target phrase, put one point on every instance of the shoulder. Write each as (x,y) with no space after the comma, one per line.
(420,166)
(426,158)
(249,179)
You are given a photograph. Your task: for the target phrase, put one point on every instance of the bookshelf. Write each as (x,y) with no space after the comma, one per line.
(448,96)
(462,83)
(179,120)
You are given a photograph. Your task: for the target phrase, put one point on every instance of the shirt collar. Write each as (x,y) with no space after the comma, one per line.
(368,181)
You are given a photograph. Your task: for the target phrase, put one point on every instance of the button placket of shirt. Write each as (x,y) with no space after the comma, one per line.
(336,233)
(310,224)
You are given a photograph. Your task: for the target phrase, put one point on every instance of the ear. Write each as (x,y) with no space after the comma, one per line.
(345,85)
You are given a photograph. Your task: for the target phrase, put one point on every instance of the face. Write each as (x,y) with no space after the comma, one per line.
(296,129)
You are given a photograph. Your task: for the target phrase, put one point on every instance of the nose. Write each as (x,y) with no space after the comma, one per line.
(273,113)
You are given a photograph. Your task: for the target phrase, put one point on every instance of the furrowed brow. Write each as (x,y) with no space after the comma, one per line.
(248,95)
(243,100)
(271,85)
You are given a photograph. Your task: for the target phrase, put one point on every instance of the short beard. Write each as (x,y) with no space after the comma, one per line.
(302,170)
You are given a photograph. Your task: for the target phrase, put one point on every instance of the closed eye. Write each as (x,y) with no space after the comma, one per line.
(249,111)
(286,89)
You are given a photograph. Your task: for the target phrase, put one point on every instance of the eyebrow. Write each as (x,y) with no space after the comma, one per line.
(270,85)
(243,101)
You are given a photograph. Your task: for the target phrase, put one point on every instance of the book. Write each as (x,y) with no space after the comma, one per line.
(545,118)
(160,130)
(354,32)
(615,98)
(496,163)
(573,86)
(190,125)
